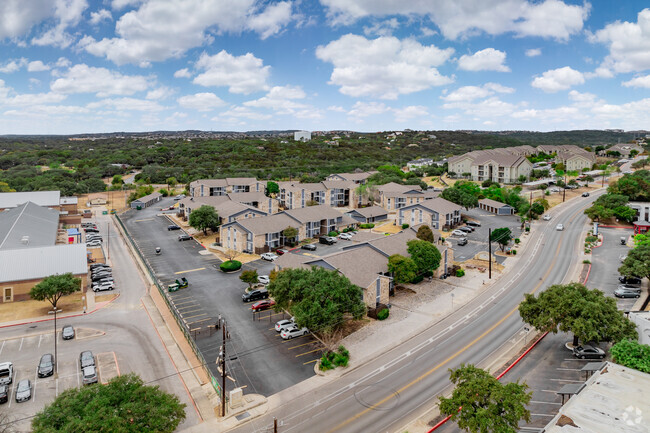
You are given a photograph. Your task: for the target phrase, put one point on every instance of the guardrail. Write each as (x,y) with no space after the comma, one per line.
(181,324)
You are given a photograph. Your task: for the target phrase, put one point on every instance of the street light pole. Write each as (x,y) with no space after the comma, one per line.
(223,371)
(490,253)
(564,189)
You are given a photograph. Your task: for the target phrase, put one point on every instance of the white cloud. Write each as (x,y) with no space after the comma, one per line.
(28,99)
(67,13)
(242,74)
(62,62)
(558,79)
(384,67)
(127,104)
(183,73)
(99,16)
(336,108)
(162,92)
(37,66)
(365,109)
(470,93)
(159,30)
(412,111)
(242,112)
(17,17)
(629,44)
(638,82)
(488,59)
(280,98)
(13,65)
(201,101)
(86,79)
(547,18)
(382,28)
(533,52)
(120,4)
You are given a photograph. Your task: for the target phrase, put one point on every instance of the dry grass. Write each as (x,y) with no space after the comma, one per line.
(387,227)
(105,298)
(23,310)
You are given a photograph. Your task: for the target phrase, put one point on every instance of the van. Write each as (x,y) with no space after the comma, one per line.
(6,373)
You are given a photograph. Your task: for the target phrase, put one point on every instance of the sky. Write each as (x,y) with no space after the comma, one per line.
(93,66)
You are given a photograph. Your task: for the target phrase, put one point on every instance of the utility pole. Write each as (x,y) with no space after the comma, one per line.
(564,189)
(490,253)
(223,370)
(275,425)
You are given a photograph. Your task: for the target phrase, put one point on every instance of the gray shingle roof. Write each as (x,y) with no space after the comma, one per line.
(41,198)
(36,263)
(438,204)
(493,203)
(149,197)
(36,224)
(313,213)
(268,224)
(370,212)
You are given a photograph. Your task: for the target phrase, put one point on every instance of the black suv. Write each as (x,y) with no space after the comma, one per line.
(326,240)
(173,227)
(309,247)
(184,237)
(632,281)
(255,295)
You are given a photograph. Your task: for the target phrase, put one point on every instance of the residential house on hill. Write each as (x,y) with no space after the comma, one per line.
(437,213)
(358,178)
(624,149)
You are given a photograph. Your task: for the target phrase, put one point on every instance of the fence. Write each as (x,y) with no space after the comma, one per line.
(181,324)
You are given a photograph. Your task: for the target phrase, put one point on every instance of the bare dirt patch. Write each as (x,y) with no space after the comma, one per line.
(24,310)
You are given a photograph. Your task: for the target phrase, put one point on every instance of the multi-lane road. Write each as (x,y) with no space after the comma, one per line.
(404,383)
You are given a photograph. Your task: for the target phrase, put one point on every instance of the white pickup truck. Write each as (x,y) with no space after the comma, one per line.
(6,373)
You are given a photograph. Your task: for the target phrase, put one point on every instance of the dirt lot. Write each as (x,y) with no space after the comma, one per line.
(23,310)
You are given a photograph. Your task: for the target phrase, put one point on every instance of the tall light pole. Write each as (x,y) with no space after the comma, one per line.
(55,342)
(489,253)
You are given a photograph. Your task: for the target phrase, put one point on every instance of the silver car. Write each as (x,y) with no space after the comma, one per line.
(89,375)
(23,391)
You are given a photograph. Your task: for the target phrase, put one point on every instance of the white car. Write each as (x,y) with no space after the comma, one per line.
(263,279)
(103,286)
(269,256)
(284,324)
(559,227)
(93,244)
(547,217)
(554,190)
(293,332)
(458,233)
(345,236)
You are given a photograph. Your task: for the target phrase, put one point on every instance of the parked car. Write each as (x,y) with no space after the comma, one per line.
(4,393)
(6,373)
(559,227)
(473,223)
(46,365)
(86,359)
(23,391)
(554,190)
(327,240)
(173,227)
(96,276)
(98,266)
(269,256)
(585,194)
(588,352)
(630,281)
(184,237)
(89,375)
(102,279)
(466,229)
(67,332)
(281,251)
(93,244)
(293,332)
(91,230)
(100,287)
(255,295)
(462,241)
(309,247)
(547,217)
(263,305)
(458,233)
(629,287)
(627,292)
(263,279)
(345,236)
(283,324)
(179,197)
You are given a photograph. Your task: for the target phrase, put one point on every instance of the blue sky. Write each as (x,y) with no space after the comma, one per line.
(89,66)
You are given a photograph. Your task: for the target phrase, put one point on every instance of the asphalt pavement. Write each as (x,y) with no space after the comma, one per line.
(478,240)
(257,358)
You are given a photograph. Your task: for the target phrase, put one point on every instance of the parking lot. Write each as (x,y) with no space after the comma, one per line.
(257,357)
(478,240)
(25,353)
(605,263)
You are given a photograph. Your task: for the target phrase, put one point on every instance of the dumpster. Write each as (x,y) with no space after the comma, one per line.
(173,287)
(113,211)
(138,207)
(105,212)
(183,283)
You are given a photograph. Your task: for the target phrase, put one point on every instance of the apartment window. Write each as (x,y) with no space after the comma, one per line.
(8,294)
(412,216)
(388,204)
(420,215)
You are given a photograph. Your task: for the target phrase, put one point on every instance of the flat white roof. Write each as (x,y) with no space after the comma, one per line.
(41,262)
(41,198)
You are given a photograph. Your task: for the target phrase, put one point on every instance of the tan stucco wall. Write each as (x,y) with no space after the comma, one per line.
(20,289)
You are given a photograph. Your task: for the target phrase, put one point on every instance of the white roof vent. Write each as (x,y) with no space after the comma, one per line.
(24,240)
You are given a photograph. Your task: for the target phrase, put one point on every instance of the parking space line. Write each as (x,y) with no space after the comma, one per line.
(310,362)
(307,353)
(300,345)
(568,369)
(189,270)
(21,344)
(199,321)
(146,219)
(542,414)
(191,311)
(183,300)
(191,317)
(3,346)
(302,336)
(196,304)
(34,391)
(546,402)
(567,380)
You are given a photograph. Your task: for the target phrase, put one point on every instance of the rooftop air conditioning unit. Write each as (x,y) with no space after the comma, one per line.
(24,240)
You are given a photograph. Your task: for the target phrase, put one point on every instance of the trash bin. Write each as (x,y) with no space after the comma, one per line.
(105,212)
(138,207)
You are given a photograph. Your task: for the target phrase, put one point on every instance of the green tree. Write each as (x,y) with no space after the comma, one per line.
(637,262)
(204,218)
(587,179)
(249,276)
(290,234)
(632,354)
(425,233)
(545,204)
(124,405)
(641,239)
(117,180)
(537,209)
(502,236)
(318,298)
(271,188)
(598,212)
(588,314)
(424,254)
(403,268)
(611,200)
(487,404)
(460,197)
(625,213)
(4,187)
(171,182)
(52,288)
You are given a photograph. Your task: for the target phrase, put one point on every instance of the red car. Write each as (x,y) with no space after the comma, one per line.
(281,251)
(263,305)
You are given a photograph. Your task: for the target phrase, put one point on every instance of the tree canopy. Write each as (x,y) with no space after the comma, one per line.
(632,354)
(204,218)
(460,197)
(636,186)
(318,298)
(249,276)
(124,405)
(403,268)
(425,233)
(637,262)
(424,254)
(272,188)
(588,314)
(487,404)
(502,236)
(52,288)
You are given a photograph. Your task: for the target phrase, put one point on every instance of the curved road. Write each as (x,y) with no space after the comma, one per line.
(402,384)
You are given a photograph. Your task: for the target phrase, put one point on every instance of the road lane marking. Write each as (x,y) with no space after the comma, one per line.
(450,358)
(307,353)
(190,270)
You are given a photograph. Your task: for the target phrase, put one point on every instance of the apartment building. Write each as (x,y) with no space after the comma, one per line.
(393,196)
(437,213)
(229,185)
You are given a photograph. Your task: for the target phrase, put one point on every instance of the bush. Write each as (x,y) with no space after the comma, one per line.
(517,240)
(331,360)
(586,262)
(405,226)
(325,364)
(333,234)
(230,266)
(417,279)
(527,229)
(591,239)
(514,252)
(366,226)
(460,272)
(383,314)
(587,251)
(164,192)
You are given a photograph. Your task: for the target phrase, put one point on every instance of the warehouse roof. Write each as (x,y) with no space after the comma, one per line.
(28,226)
(36,263)
(41,198)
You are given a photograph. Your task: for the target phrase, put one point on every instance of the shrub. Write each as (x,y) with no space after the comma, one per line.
(586,262)
(417,279)
(340,360)
(325,364)
(405,226)
(587,251)
(517,240)
(383,314)
(333,234)
(331,360)
(514,252)
(460,272)
(591,239)
(164,192)
(230,266)
(527,229)
(366,226)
